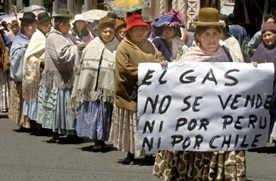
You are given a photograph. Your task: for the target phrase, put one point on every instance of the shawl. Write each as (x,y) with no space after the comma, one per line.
(198,54)
(95,77)
(18,49)
(4,57)
(34,55)
(61,57)
(234,47)
(128,57)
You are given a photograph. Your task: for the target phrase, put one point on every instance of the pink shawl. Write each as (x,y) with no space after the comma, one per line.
(197,54)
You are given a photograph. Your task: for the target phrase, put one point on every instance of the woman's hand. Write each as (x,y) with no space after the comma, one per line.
(255,64)
(81,46)
(164,62)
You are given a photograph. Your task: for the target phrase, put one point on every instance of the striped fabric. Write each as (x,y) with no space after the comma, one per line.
(173,18)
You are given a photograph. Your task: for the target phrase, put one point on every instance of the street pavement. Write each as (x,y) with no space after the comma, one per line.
(24,157)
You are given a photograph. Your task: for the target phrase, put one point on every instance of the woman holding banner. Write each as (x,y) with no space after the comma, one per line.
(133,49)
(188,165)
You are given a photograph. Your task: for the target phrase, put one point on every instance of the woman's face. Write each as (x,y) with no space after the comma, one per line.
(209,39)
(137,33)
(107,34)
(169,32)
(120,34)
(269,38)
(45,27)
(79,25)
(29,30)
(64,28)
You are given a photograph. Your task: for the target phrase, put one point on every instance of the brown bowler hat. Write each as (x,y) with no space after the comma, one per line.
(208,17)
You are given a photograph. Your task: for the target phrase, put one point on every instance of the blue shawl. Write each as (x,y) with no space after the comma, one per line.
(17,52)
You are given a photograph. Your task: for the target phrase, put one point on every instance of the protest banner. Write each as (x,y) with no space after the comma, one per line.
(206,106)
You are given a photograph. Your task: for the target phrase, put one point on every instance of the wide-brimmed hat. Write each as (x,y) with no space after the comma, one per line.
(62,13)
(78,17)
(14,23)
(106,21)
(135,20)
(269,27)
(28,17)
(208,17)
(118,24)
(173,18)
(42,17)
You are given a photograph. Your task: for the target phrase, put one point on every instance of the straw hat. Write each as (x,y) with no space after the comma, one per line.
(135,20)
(208,17)
(14,23)
(106,21)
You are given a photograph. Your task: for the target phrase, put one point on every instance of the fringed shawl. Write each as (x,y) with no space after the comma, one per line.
(34,55)
(61,57)
(17,52)
(95,80)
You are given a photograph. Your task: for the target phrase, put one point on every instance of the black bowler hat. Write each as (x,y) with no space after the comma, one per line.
(29,17)
(42,17)
(62,13)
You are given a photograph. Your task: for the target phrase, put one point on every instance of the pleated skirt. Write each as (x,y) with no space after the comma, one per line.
(16,105)
(4,92)
(94,120)
(53,109)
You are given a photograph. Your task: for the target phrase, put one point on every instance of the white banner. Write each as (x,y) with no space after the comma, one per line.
(198,106)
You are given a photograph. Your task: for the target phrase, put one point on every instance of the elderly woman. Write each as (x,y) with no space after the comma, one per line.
(188,165)
(119,29)
(62,54)
(34,64)
(17,53)
(80,30)
(169,43)
(93,90)
(266,52)
(133,49)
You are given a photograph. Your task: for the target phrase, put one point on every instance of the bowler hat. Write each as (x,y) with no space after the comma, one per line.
(28,17)
(269,27)
(135,20)
(42,17)
(208,17)
(118,24)
(14,23)
(4,23)
(106,21)
(62,13)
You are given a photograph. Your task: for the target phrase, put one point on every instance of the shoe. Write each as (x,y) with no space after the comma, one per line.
(149,160)
(74,139)
(52,140)
(97,148)
(129,160)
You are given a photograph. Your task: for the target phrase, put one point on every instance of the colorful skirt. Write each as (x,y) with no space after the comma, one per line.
(16,105)
(53,109)
(191,166)
(94,119)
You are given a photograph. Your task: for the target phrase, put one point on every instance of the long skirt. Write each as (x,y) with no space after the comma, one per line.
(193,166)
(16,105)
(4,92)
(94,119)
(30,110)
(53,109)
(123,131)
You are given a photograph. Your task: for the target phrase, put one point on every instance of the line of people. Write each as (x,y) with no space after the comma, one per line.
(81,81)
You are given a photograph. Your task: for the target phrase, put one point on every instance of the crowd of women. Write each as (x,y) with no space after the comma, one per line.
(78,79)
